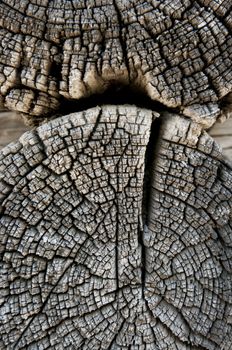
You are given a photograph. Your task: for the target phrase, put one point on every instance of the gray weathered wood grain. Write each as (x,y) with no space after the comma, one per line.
(115,220)
(12,127)
(90,259)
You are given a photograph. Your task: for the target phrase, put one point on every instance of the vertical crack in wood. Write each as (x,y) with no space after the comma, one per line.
(151,150)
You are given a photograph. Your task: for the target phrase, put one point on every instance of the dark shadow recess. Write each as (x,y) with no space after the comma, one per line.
(115,95)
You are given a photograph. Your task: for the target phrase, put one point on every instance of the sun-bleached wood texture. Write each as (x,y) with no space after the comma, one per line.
(115,221)
(12,127)
(178,52)
(110,243)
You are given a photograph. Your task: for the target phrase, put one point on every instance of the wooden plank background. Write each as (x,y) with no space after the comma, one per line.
(222,133)
(12,126)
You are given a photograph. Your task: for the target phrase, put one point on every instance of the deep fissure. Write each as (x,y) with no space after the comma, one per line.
(151,150)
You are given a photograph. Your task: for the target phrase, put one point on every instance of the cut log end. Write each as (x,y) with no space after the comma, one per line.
(85,264)
(178,54)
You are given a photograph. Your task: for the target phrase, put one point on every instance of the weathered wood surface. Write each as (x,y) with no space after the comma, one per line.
(95,256)
(178,52)
(115,228)
(12,127)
